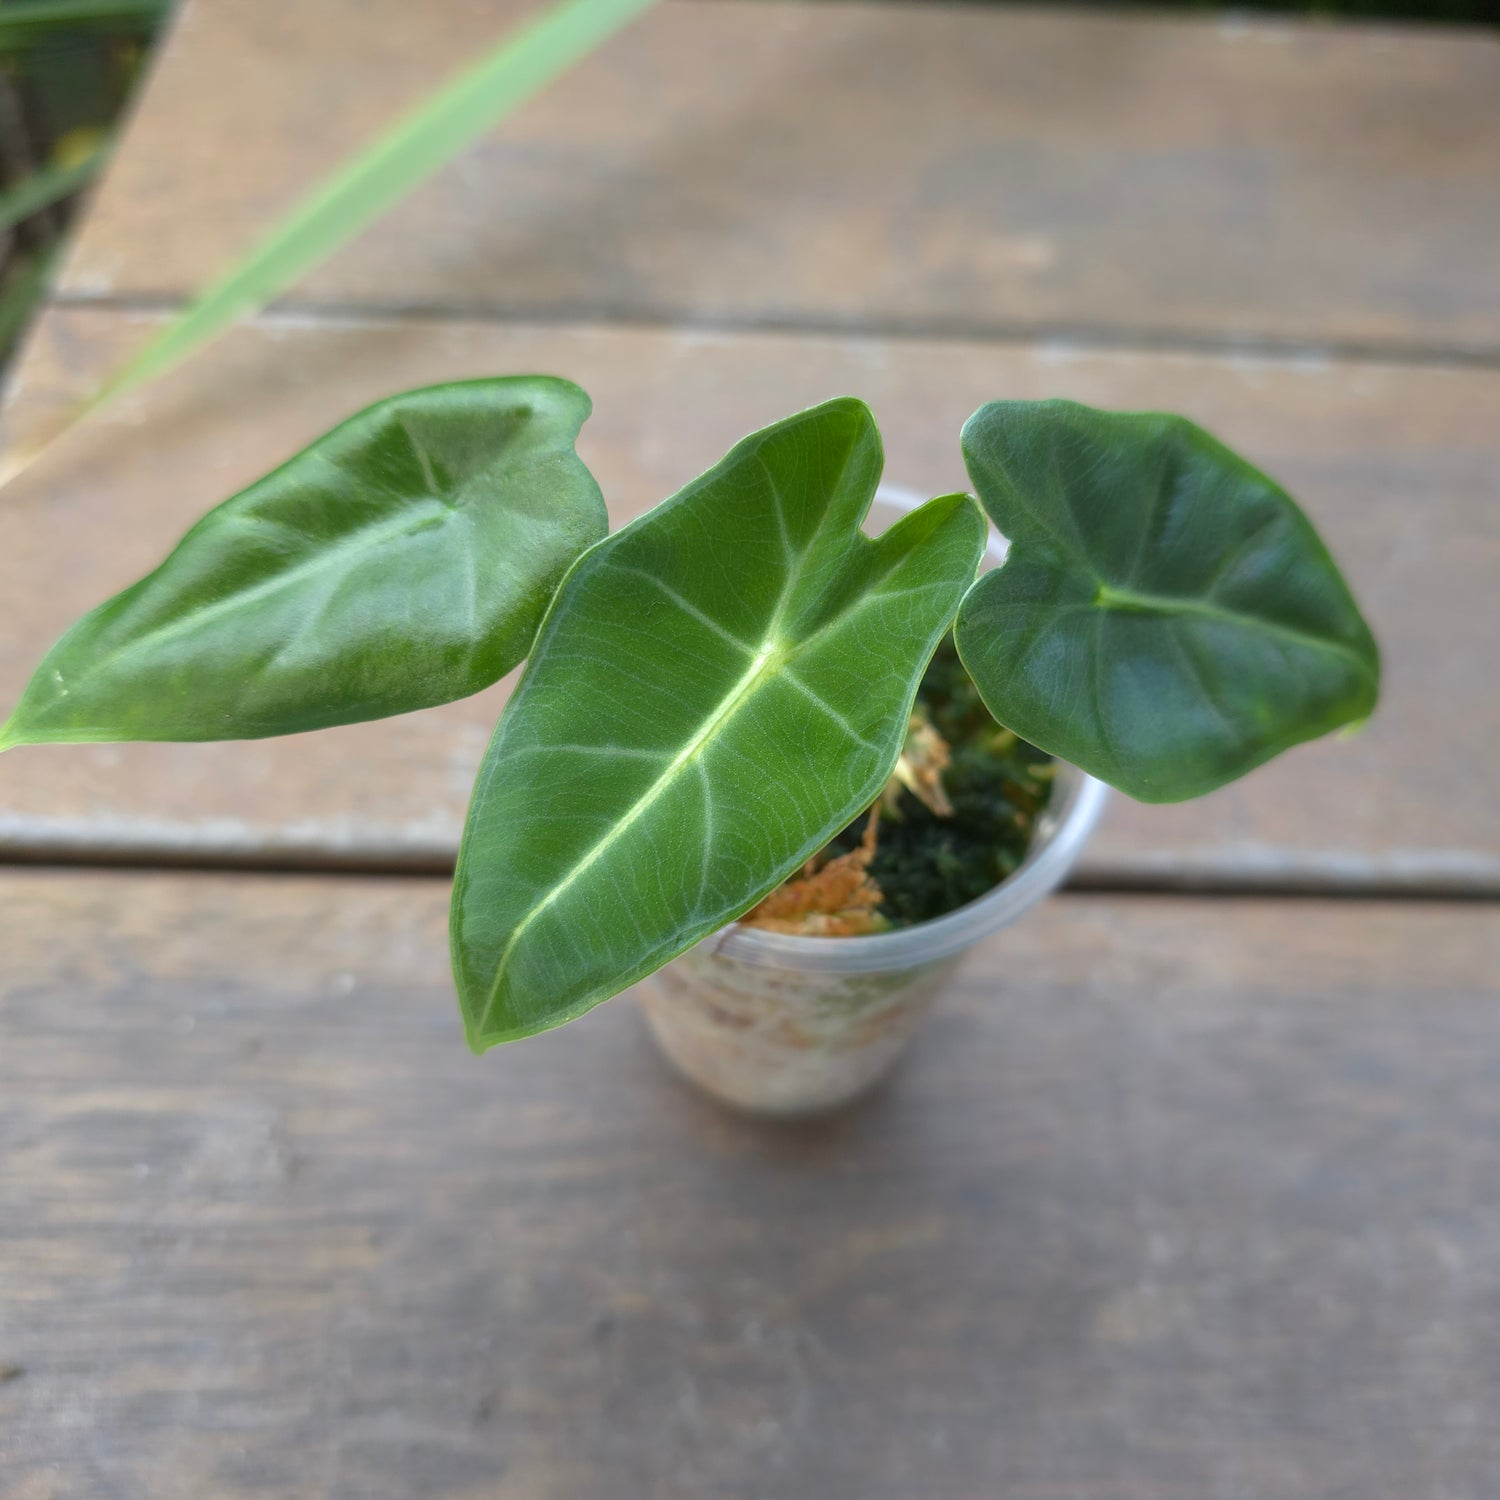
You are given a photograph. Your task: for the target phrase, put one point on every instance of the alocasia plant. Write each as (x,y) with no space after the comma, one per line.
(714,691)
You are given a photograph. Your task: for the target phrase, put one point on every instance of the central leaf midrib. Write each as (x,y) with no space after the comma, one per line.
(766,660)
(1111,597)
(771,657)
(365,540)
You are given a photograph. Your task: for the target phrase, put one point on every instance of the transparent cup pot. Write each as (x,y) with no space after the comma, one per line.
(785,1025)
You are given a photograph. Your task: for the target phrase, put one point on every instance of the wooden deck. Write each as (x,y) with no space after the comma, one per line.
(1190,1191)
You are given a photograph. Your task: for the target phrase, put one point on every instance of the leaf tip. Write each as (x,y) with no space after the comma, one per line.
(19,458)
(475,1038)
(476,1011)
(476,1043)
(481,1037)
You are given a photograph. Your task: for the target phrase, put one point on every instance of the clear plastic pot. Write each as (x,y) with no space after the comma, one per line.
(785,1025)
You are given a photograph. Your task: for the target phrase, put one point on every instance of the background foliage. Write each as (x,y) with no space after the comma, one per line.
(68,68)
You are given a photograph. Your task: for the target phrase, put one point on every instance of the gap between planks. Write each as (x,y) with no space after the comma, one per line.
(366,865)
(1084,338)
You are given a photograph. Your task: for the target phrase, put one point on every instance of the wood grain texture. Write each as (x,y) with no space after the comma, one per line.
(1175,1198)
(1398,465)
(933,168)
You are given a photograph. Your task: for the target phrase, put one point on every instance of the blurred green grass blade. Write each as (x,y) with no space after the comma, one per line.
(474,102)
(42,188)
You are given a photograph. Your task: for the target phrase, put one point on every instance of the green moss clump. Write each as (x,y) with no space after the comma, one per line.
(927,865)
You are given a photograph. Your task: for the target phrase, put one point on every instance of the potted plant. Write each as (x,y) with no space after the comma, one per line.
(716,691)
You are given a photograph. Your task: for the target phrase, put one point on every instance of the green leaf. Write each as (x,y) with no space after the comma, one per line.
(403,560)
(46,186)
(1167,618)
(716,691)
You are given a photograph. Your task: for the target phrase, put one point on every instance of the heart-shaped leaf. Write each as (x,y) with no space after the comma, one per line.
(403,560)
(1167,618)
(716,691)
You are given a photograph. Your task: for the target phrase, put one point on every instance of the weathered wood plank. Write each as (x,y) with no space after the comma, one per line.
(1175,1198)
(1398,465)
(930,168)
